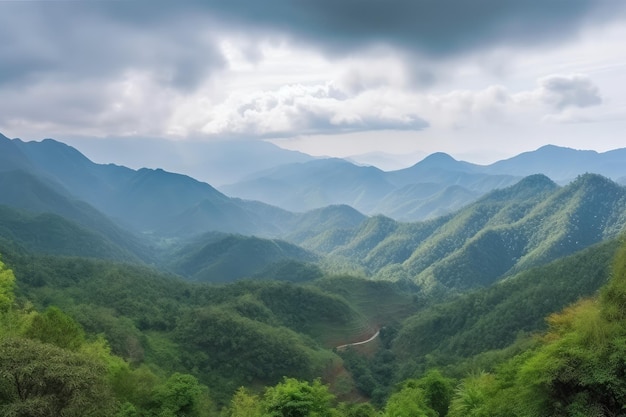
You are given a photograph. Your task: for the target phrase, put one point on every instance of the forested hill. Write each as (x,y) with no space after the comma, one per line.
(508,230)
(185,349)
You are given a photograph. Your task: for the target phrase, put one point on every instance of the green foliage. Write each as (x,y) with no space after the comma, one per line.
(240,348)
(409,402)
(293,398)
(38,379)
(356,410)
(7,286)
(244,404)
(437,390)
(290,270)
(494,318)
(577,370)
(52,234)
(181,395)
(57,328)
(372,376)
(220,258)
(471,396)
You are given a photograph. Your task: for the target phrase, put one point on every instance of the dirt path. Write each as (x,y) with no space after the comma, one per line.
(359,343)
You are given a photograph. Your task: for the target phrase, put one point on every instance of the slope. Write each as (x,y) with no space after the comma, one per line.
(315,184)
(508,230)
(492,318)
(54,235)
(562,164)
(146,200)
(24,191)
(217,257)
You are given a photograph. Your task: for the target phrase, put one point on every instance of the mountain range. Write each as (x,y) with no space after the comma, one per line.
(435,186)
(53,193)
(508,230)
(216,162)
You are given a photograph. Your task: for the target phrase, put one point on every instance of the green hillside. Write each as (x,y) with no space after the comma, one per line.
(23,191)
(53,235)
(492,318)
(504,232)
(217,257)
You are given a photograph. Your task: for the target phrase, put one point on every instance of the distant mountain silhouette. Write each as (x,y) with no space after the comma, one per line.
(435,186)
(414,193)
(217,162)
(563,164)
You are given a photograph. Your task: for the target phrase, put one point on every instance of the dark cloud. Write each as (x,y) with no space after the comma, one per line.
(73,40)
(60,59)
(562,91)
(436,28)
(105,38)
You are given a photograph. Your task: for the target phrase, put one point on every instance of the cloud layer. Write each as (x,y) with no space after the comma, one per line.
(280,68)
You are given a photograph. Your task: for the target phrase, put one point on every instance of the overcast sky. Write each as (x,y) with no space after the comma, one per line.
(481,80)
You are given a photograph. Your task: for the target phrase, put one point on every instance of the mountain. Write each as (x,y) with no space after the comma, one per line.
(504,232)
(51,234)
(217,162)
(11,157)
(425,201)
(216,257)
(441,168)
(24,191)
(316,221)
(494,317)
(563,164)
(145,200)
(407,194)
(315,184)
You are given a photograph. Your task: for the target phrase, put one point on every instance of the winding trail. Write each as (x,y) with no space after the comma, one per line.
(359,343)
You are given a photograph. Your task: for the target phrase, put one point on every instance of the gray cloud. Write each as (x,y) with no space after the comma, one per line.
(562,91)
(436,28)
(64,62)
(75,40)
(96,38)
(105,38)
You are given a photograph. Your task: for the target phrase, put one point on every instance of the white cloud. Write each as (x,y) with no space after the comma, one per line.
(298,109)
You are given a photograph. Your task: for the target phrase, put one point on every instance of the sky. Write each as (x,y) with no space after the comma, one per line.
(389,81)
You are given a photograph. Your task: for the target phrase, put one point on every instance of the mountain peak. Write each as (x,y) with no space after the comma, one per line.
(437,159)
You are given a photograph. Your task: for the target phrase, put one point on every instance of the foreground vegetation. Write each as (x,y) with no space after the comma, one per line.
(76,338)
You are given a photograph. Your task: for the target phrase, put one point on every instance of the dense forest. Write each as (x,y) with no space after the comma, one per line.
(91,337)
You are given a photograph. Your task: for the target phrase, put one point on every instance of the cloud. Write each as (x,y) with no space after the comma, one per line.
(176,40)
(435,28)
(297,109)
(562,91)
(159,67)
(69,41)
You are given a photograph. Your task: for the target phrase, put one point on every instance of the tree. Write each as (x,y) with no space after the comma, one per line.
(56,327)
(38,379)
(181,395)
(437,389)
(7,285)
(244,405)
(410,401)
(293,398)
(471,396)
